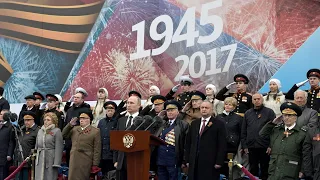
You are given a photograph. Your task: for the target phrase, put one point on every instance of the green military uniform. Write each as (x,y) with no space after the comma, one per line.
(184,97)
(286,146)
(286,152)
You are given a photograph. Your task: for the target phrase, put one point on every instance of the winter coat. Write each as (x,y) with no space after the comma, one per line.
(85,152)
(7,141)
(106,125)
(274,104)
(27,140)
(49,146)
(308,118)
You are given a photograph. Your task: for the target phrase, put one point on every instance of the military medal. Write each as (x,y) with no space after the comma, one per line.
(287,133)
(318,95)
(27,132)
(244,99)
(316,138)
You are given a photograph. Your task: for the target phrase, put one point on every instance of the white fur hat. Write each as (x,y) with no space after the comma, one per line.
(212,87)
(81,90)
(277,81)
(156,89)
(105,91)
(59,98)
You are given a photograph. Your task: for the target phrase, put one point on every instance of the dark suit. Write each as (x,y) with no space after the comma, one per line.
(34,109)
(202,153)
(119,156)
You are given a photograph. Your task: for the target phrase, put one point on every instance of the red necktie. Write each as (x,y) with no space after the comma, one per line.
(203,126)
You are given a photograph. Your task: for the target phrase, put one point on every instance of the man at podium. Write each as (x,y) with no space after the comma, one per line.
(119,158)
(170,156)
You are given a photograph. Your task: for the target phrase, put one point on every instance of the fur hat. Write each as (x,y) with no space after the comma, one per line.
(105,91)
(212,87)
(277,81)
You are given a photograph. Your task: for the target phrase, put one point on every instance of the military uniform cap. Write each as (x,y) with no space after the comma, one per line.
(28,115)
(158,99)
(110,105)
(313,73)
(30,97)
(81,90)
(86,113)
(51,97)
(186,80)
(172,104)
(290,108)
(241,77)
(135,93)
(38,95)
(197,95)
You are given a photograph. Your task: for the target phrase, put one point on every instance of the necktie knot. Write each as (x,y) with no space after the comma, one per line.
(129,121)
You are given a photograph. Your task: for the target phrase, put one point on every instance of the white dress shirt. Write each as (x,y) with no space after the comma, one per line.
(201,123)
(133,116)
(286,127)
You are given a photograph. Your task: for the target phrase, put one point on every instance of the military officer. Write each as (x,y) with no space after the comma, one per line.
(52,107)
(313,100)
(39,99)
(311,154)
(191,110)
(286,140)
(156,107)
(184,97)
(244,98)
(170,156)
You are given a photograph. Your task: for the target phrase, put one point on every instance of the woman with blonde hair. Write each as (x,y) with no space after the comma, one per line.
(49,146)
(98,110)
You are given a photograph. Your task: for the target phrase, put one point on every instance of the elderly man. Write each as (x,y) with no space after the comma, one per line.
(29,106)
(309,117)
(119,158)
(170,156)
(7,141)
(243,97)
(206,145)
(253,144)
(106,125)
(86,148)
(27,139)
(158,106)
(313,100)
(184,97)
(286,140)
(191,110)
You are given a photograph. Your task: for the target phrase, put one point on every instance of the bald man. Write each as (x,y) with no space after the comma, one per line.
(252,143)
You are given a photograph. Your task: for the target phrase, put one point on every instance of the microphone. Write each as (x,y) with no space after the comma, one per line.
(147,121)
(8,116)
(136,122)
(155,125)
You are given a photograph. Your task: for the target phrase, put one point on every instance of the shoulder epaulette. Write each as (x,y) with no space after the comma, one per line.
(304,128)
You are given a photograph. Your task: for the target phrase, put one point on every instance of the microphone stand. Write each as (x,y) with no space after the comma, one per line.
(17,139)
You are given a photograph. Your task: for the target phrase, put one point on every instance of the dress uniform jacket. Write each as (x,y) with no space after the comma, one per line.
(286,152)
(313,100)
(85,152)
(28,140)
(182,98)
(311,153)
(181,129)
(244,100)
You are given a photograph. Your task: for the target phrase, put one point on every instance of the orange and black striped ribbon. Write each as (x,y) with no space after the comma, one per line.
(5,70)
(61,28)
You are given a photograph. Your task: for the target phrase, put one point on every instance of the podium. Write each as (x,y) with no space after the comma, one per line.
(136,145)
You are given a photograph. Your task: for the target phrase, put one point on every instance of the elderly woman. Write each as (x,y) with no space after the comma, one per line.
(153,90)
(86,146)
(49,146)
(275,97)
(286,140)
(233,124)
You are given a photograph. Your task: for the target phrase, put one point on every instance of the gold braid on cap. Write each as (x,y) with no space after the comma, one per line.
(289,111)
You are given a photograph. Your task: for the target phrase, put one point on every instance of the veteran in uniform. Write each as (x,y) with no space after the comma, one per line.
(156,107)
(311,154)
(244,98)
(184,97)
(313,100)
(170,156)
(286,140)
(191,110)
(86,146)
